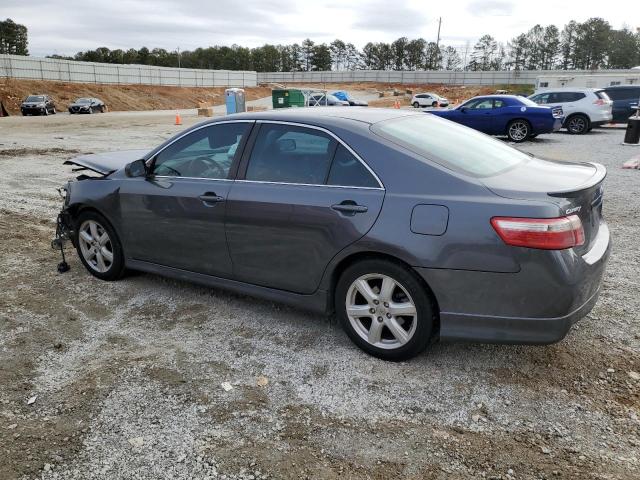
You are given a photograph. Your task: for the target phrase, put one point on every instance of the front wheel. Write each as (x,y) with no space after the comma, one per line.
(98,246)
(434,104)
(385,309)
(416,105)
(518,130)
(578,124)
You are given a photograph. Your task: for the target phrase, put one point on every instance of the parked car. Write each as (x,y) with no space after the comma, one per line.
(584,108)
(320,99)
(429,100)
(38,105)
(87,105)
(516,117)
(410,228)
(345,97)
(625,101)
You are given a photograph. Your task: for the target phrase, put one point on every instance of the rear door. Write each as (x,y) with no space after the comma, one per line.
(175,217)
(301,197)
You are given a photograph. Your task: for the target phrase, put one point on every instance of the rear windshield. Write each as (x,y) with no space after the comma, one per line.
(602,95)
(528,102)
(451,145)
(35,98)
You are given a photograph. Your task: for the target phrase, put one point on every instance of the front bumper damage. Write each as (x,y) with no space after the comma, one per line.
(64,230)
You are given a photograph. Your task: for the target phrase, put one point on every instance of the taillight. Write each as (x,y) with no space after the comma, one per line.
(600,102)
(545,233)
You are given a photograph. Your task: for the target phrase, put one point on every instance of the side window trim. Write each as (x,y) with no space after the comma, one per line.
(244,163)
(236,160)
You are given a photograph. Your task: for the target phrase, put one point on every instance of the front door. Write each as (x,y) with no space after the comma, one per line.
(175,217)
(302,197)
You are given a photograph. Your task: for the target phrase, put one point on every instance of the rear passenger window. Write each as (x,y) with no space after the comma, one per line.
(348,171)
(289,154)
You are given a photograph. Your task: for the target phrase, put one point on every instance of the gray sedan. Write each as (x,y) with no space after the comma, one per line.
(408,227)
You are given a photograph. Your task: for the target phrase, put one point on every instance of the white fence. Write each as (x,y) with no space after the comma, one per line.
(505,77)
(16,66)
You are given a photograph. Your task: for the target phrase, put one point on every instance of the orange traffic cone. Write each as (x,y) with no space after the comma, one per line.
(396,104)
(178,119)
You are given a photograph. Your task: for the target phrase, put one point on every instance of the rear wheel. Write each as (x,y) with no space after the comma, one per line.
(385,310)
(98,246)
(518,130)
(578,124)
(416,105)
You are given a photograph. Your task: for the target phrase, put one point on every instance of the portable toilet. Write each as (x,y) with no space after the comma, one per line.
(234,99)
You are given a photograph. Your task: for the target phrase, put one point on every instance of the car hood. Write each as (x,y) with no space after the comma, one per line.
(107,163)
(545,177)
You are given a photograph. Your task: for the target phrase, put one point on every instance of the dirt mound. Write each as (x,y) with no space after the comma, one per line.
(117,97)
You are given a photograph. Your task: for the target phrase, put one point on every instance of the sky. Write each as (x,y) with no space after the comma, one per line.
(65,27)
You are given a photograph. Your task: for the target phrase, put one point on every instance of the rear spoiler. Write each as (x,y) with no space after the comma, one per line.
(598,176)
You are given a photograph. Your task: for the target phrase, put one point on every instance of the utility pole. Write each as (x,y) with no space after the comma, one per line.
(438,42)
(178,57)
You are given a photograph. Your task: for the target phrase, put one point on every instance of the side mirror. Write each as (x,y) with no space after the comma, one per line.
(137,168)
(463,109)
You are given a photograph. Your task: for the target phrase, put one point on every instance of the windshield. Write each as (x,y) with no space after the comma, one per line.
(83,100)
(451,145)
(35,98)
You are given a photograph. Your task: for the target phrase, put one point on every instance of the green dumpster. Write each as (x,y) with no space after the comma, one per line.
(284,98)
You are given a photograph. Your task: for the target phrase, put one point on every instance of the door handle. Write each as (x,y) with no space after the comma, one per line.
(349,207)
(211,197)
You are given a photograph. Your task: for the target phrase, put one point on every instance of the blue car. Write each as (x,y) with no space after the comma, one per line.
(516,117)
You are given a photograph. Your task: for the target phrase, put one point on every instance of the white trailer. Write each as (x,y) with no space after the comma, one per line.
(566,79)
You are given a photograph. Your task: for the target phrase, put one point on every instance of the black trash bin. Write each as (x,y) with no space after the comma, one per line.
(632,135)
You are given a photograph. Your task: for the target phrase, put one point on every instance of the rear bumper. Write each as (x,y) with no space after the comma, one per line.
(511,330)
(537,305)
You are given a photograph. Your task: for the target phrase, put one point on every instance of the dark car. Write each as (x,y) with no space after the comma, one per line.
(516,117)
(38,105)
(87,105)
(321,99)
(410,228)
(625,101)
(345,97)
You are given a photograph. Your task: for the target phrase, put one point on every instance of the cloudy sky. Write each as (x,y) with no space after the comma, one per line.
(67,26)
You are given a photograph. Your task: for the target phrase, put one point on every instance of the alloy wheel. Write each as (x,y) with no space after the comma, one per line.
(577,124)
(518,131)
(381,311)
(96,246)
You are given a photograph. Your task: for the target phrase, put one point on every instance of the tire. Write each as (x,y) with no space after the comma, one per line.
(577,124)
(53,111)
(434,104)
(99,264)
(518,130)
(102,109)
(46,112)
(416,105)
(396,337)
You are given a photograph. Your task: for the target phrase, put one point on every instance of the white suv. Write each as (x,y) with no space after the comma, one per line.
(584,108)
(429,100)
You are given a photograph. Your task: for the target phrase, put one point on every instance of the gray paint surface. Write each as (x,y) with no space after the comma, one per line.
(285,241)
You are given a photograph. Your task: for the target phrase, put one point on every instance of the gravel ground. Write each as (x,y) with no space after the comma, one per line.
(126,380)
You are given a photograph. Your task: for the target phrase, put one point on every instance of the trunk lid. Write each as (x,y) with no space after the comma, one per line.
(576,188)
(107,163)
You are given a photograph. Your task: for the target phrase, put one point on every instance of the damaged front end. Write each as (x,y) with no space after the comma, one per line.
(64,228)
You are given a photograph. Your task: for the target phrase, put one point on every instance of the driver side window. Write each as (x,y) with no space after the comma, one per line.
(204,153)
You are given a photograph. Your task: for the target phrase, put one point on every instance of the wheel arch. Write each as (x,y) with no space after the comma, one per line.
(76,209)
(355,257)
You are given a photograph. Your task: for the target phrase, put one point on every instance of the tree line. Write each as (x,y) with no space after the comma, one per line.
(588,45)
